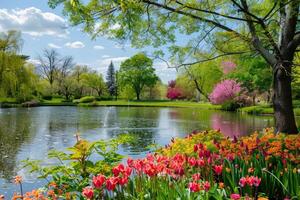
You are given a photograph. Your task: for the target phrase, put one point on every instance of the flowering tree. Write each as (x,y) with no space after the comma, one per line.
(173,91)
(224,91)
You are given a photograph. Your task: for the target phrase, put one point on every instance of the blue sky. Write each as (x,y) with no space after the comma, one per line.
(43,27)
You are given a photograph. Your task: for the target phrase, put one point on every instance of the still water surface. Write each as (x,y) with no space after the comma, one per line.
(32,132)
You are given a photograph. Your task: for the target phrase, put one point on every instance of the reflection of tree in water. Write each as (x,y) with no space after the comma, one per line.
(238,124)
(142,123)
(190,119)
(14,131)
(142,140)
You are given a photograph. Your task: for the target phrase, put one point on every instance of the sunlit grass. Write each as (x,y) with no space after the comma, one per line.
(182,104)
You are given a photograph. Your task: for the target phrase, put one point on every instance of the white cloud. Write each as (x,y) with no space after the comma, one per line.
(105,62)
(98,47)
(121,46)
(34,61)
(164,72)
(75,45)
(33,21)
(54,46)
(105,56)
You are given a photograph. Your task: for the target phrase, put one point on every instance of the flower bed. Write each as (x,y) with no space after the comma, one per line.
(203,165)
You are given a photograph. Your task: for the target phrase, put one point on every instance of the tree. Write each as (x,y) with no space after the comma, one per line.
(94,81)
(204,76)
(138,72)
(269,28)
(111,79)
(253,74)
(49,65)
(174,92)
(10,41)
(225,91)
(78,73)
(17,79)
(65,81)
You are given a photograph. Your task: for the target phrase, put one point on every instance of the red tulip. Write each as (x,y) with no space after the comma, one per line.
(118,169)
(194,187)
(243,182)
(123,180)
(130,162)
(150,169)
(88,192)
(206,186)
(192,161)
(218,169)
(235,197)
(201,162)
(196,177)
(98,181)
(253,180)
(111,183)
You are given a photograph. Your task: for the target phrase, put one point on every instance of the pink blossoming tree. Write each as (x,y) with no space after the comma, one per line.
(225,91)
(173,91)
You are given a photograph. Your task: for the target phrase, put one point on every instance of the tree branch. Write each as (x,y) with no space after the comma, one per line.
(212,58)
(194,17)
(212,12)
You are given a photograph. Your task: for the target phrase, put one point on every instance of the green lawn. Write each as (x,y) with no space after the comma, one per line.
(56,102)
(264,110)
(180,104)
(7,100)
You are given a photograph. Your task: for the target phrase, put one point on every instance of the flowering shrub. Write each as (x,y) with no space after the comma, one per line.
(224,91)
(174,92)
(205,165)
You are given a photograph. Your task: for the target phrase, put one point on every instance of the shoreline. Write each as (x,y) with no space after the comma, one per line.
(251,110)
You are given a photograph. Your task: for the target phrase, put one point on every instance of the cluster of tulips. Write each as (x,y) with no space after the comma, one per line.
(206,165)
(199,172)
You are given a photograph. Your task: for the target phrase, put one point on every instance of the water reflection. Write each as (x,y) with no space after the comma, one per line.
(33,132)
(238,126)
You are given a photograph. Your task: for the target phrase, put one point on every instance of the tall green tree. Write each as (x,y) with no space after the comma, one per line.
(94,81)
(10,41)
(111,79)
(204,76)
(268,28)
(253,74)
(17,79)
(137,72)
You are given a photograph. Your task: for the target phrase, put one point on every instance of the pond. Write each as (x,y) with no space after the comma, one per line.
(32,132)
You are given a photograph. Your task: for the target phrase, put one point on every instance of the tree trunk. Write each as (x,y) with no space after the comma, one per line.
(253,99)
(282,99)
(138,96)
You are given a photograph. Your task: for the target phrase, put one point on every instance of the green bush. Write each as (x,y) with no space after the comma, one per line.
(230,106)
(105,98)
(47,97)
(87,99)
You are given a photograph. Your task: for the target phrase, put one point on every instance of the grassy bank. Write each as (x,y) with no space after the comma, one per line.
(7,102)
(264,110)
(177,104)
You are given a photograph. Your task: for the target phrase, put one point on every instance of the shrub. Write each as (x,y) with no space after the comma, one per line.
(230,106)
(224,91)
(174,93)
(47,97)
(87,99)
(104,98)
